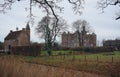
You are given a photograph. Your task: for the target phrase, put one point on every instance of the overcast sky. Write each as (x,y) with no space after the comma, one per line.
(104,25)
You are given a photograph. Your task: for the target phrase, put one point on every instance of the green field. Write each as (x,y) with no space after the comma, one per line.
(59,56)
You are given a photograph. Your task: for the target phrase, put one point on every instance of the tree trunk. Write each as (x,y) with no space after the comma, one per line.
(49,47)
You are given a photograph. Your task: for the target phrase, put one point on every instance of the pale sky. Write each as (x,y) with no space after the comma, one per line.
(104,25)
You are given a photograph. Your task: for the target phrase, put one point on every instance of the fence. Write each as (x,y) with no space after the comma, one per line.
(26,50)
(85,58)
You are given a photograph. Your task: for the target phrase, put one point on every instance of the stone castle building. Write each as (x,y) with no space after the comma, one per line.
(17,38)
(78,39)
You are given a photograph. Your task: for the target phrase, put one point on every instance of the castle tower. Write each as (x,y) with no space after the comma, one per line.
(27,26)
(28,30)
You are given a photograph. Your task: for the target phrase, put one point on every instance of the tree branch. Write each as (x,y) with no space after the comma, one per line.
(115,3)
(105,3)
(117,18)
(51,10)
(72,2)
(41,2)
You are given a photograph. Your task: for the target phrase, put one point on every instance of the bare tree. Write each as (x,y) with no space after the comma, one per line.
(102,4)
(48,30)
(82,27)
(78,26)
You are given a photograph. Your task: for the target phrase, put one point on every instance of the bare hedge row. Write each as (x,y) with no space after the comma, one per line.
(26,50)
(91,49)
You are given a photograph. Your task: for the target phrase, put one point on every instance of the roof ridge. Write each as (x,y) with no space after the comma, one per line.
(13,35)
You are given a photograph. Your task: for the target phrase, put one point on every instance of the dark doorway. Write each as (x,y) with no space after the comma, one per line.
(9,49)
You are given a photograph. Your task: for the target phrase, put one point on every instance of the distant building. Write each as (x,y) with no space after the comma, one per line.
(17,38)
(78,39)
(112,43)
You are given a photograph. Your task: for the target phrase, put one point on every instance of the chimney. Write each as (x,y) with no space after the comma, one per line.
(23,29)
(11,31)
(17,29)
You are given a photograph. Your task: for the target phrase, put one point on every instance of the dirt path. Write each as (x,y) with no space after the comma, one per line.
(61,72)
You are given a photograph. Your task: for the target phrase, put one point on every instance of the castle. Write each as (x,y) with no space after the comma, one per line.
(17,38)
(78,39)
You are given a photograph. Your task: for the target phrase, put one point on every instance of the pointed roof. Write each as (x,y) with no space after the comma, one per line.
(27,26)
(13,35)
